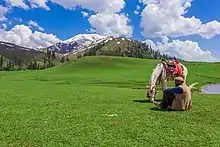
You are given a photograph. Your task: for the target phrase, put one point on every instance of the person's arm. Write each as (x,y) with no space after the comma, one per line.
(176,90)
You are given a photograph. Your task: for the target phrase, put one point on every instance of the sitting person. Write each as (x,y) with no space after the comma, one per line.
(178,98)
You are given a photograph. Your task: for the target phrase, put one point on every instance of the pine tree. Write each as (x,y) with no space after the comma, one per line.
(30,66)
(155,55)
(62,59)
(27,65)
(53,57)
(35,64)
(19,64)
(49,57)
(38,66)
(93,53)
(45,62)
(2,62)
(10,65)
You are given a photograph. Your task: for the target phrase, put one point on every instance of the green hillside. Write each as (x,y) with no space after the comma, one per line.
(121,47)
(73,104)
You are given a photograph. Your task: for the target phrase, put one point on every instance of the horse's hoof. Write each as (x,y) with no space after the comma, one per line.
(151,101)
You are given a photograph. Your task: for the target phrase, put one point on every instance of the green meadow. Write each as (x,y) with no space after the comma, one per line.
(101,101)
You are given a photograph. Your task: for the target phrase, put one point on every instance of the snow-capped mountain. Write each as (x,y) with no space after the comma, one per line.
(77,43)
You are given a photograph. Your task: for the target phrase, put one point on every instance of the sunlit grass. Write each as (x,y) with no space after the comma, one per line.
(72,104)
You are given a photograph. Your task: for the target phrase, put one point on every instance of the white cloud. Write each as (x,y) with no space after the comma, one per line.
(111,24)
(136,12)
(85,14)
(23,35)
(210,29)
(107,14)
(186,50)
(35,24)
(163,18)
(149,1)
(3,11)
(19,19)
(110,6)
(107,19)
(4,26)
(39,39)
(33,3)
(151,43)
(95,5)
(39,4)
(17,3)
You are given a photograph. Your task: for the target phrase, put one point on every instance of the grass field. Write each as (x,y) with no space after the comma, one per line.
(69,105)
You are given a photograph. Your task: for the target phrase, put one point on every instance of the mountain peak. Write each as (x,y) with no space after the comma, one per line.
(77,43)
(85,37)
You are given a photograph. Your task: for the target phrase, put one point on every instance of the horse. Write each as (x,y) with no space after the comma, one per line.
(162,74)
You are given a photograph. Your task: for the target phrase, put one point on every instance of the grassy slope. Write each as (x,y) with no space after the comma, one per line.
(67,106)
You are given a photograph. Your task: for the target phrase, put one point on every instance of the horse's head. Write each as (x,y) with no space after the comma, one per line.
(151,93)
(156,76)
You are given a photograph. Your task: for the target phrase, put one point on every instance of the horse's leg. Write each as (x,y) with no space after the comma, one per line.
(185,76)
(164,84)
(185,73)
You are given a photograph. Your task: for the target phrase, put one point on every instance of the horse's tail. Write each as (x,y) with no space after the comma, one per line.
(192,85)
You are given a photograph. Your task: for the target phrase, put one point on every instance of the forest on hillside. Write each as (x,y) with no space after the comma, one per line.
(115,47)
(126,48)
(14,62)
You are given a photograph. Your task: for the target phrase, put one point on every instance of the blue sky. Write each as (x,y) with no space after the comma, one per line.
(64,23)
(206,11)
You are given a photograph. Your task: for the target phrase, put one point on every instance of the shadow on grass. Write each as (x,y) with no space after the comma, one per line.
(154,108)
(165,110)
(144,101)
(157,109)
(141,101)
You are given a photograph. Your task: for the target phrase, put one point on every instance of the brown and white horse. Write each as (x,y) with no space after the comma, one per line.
(161,74)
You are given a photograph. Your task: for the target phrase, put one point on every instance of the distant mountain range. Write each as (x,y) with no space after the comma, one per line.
(77,43)
(72,45)
(80,44)
(13,51)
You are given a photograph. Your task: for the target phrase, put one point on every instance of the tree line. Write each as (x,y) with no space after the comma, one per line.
(16,63)
(132,49)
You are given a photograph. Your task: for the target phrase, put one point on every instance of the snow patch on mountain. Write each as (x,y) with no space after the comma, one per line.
(77,43)
(7,44)
(85,38)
